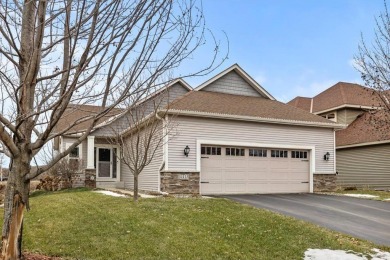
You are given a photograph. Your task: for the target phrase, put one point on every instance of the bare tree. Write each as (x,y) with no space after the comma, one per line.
(147,129)
(56,53)
(373,61)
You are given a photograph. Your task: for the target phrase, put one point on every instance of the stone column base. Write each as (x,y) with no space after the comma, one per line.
(180,182)
(324,182)
(90,178)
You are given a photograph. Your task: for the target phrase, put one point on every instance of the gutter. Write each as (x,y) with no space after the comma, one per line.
(255,119)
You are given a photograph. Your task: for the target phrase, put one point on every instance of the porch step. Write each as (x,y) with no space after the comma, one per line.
(110,184)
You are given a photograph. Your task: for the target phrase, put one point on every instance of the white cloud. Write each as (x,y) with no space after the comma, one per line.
(354,63)
(260,78)
(313,88)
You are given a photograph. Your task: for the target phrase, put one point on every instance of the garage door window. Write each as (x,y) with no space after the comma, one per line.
(210,150)
(299,154)
(235,151)
(279,153)
(257,152)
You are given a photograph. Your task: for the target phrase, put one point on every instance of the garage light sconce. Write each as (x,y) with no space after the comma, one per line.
(327,156)
(186,151)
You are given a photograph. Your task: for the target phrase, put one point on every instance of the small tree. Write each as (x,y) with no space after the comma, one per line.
(56,53)
(147,130)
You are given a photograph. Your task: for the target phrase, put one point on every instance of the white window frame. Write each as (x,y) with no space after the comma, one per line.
(118,165)
(80,146)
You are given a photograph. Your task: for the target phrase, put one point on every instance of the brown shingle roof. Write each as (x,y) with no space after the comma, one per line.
(369,127)
(344,93)
(75,112)
(227,104)
(301,102)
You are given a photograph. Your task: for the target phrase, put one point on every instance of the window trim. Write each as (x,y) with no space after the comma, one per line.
(240,150)
(284,152)
(218,149)
(293,154)
(258,149)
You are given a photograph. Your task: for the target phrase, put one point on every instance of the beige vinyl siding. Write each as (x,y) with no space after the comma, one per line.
(122,123)
(149,178)
(366,166)
(190,129)
(67,141)
(347,115)
(84,147)
(232,83)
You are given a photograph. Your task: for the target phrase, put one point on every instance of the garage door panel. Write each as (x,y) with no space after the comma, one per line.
(246,174)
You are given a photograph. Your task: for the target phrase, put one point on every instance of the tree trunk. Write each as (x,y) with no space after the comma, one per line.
(16,200)
(135,187)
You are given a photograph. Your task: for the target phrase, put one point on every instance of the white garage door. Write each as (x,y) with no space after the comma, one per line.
(234,170)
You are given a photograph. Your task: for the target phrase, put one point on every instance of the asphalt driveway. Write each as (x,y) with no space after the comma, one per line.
(361,218)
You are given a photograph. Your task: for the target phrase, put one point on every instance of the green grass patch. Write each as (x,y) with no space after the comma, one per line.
(382,195)
(85,225)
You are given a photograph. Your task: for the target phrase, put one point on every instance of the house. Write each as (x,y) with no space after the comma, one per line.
(363,147)
(231,136)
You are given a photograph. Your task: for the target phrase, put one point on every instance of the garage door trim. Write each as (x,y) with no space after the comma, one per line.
(199,144)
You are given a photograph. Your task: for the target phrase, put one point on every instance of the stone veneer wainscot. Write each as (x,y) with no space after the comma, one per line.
(176,183)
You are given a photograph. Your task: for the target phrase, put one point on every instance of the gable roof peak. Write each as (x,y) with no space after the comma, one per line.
(243,74)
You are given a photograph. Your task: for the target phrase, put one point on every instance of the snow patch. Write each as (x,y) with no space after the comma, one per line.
(366,196)
(380,254)
(328,254)
(110,193)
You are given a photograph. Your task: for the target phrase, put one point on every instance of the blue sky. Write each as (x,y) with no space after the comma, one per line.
(292,47)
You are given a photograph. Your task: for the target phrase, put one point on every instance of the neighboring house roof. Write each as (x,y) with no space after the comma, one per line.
(344,94)
(304,103)
(214,104)
(75,112)
(369,128)
(245,76)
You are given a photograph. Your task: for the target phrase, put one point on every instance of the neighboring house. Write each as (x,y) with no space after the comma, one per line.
(363,147)
(240,140)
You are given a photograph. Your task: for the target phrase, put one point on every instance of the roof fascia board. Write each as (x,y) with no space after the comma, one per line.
(114,118)
(256,119)
(345,106)
(243,74)
(362,144)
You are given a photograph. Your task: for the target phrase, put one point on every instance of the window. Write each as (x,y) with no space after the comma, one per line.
(279,153)
(330,116)
(74,154)
(235,151)
(299,154)
(210,150)
(257,152)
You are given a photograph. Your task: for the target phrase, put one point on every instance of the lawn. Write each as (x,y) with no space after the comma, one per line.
(382,195)
(81,224)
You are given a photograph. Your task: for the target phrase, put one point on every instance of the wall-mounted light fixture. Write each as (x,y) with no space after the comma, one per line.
(327,156)
(186,151)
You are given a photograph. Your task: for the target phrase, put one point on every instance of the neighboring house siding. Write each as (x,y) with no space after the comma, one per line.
(347,115)
(232,83)
(364,167)
(190,129)
(149,178)
(122,123)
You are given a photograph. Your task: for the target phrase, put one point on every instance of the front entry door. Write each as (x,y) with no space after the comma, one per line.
(106,167)
(104,160)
